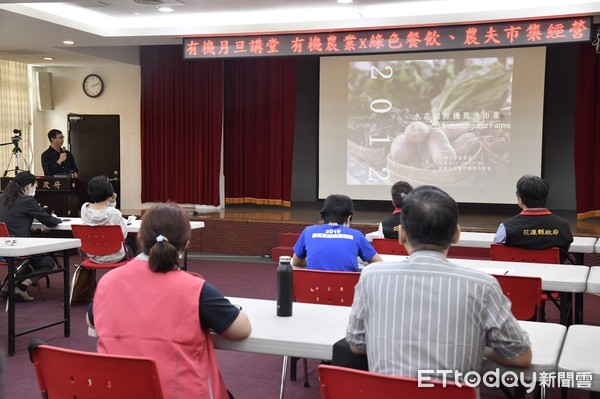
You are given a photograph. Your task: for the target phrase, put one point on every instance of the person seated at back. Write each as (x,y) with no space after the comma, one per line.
(152,308)
(103,212)
(388,228)
(333,245)
(426,313)
(535,227)
(18,208)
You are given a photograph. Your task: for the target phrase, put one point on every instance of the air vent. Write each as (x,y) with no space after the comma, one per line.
(150,2)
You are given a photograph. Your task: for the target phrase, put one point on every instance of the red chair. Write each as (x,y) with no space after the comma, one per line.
(321,287)
(525,294)
(97,240)
(65,373)
(388,246)
(324,287)
(346,383)
(516,254)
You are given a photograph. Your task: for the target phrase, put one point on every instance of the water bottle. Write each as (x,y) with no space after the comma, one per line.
(284,287)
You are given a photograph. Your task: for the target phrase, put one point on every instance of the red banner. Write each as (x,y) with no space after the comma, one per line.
(491,35)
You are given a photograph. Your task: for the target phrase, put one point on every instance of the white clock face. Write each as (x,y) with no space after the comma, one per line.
(93,85)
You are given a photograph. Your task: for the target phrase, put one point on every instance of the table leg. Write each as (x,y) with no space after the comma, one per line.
(578,308)
(66,294)
(566,306)
(283,376)
(11,305)
(579,260)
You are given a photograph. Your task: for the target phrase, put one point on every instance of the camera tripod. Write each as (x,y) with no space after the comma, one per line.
(15,154)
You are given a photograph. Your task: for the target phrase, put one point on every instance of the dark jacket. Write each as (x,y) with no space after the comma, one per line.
(390,224)
(539,229)
(20,216)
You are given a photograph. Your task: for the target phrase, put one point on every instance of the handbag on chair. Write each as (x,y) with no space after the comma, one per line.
(84,285)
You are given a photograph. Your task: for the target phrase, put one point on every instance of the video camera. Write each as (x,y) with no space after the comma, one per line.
(16,136)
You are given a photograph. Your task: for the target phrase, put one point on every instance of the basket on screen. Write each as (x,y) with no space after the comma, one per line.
(374,156)
(450,176)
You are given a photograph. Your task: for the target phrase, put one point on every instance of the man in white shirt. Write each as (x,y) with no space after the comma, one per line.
(426,313)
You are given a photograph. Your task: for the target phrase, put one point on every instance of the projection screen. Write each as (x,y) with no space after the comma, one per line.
(469,122)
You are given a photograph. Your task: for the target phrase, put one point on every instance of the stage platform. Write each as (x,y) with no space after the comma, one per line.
(254,230)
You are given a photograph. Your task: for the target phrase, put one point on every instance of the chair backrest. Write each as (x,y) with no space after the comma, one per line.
(325,287)
(346,383)
(99,240)
(516,254)
(4,230)
(525,294)
(388,246)
(66,373)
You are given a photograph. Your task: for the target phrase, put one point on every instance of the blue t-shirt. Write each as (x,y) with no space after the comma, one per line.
(333,247)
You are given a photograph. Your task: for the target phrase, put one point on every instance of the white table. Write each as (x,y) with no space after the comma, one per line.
(562,278)
(469,239)
(34,246)
(555,277)
(133,227)
(313,329)
(581,352)
(593,282)
(310,332)
(546,343)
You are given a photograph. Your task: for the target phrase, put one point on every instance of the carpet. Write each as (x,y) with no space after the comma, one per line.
(247,376)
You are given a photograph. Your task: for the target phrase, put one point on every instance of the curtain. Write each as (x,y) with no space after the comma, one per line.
(181,126)
(259,130)
(587,133)
(14,103)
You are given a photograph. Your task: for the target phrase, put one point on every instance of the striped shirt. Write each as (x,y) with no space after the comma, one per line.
(426,313)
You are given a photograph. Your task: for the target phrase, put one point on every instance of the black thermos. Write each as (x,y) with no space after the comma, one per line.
(284,286)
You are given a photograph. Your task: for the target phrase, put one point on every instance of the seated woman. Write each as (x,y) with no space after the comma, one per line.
(333,245)
(18,208)
(102,212)
(150,307)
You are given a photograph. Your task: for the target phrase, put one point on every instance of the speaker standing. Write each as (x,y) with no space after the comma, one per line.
(56,160)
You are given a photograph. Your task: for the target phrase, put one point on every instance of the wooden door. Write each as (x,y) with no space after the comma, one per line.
(94,141)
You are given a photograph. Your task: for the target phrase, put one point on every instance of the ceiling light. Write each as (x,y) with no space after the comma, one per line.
(165,9)
(49,58)
(345,1)
(68,42)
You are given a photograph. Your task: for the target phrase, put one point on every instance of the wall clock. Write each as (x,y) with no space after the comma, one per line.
(93,85)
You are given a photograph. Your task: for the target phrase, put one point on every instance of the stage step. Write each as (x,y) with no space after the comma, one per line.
(286,245)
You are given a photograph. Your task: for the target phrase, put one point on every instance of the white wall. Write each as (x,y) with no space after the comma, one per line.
(121,97)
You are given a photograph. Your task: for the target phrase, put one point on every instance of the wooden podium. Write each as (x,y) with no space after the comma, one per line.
(60,194)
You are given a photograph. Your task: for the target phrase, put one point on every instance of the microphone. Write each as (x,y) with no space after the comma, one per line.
(63,149)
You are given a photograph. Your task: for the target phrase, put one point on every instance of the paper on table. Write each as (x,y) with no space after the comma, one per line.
(495,270)
(131,218)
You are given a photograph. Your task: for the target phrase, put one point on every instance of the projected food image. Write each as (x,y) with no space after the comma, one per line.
(437,121)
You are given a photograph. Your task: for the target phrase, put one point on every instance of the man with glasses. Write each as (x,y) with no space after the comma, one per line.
(56,160)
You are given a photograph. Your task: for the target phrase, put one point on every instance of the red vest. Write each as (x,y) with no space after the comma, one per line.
(141,313)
